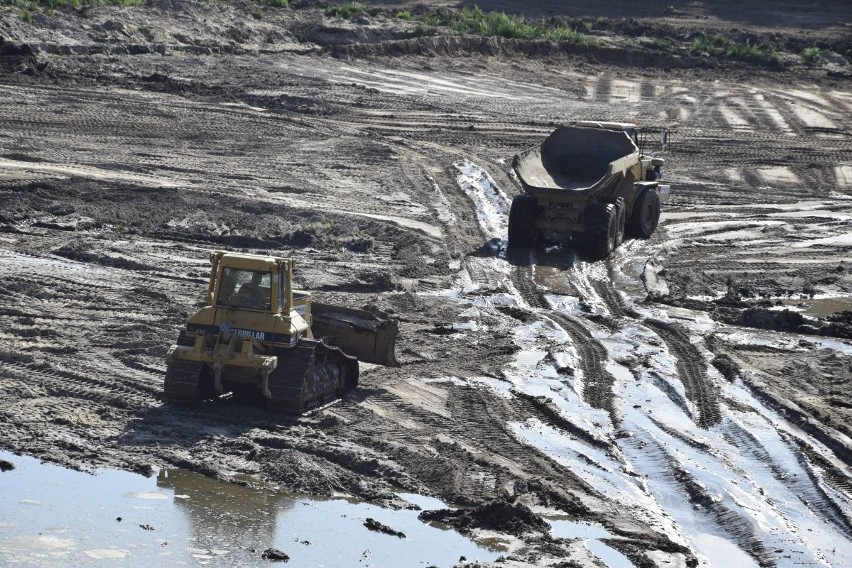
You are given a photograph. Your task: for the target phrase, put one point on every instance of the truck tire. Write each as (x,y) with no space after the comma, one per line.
(522,230)
(621,221)
(646,214)
(602,223)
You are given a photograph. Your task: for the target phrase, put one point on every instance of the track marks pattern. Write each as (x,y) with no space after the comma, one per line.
(692,371)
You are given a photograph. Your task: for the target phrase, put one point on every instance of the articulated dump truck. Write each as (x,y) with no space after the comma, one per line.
(259,338)
(587,185)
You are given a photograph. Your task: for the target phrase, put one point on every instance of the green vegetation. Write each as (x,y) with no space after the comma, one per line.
(662,43)
(475,21)
(719,45)
(31,7)
(278,3)
(403,15)
(810,54)
(345,11)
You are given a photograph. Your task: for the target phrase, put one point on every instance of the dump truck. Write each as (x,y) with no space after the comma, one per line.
(259,338)
(587,185)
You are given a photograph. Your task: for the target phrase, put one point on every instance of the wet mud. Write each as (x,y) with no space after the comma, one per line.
(676,395)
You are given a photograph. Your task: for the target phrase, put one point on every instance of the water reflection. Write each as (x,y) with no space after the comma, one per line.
(54,517)
(224,518)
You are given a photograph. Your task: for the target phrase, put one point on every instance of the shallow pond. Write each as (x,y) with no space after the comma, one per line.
(54,517)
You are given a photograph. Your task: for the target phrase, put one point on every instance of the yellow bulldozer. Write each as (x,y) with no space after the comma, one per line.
(257,336)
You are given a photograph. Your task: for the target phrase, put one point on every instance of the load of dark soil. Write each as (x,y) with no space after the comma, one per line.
(498,515)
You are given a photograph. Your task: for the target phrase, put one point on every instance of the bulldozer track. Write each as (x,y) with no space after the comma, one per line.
(692,371)
(67,383)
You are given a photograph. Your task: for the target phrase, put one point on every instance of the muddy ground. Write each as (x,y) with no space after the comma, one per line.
(664,394)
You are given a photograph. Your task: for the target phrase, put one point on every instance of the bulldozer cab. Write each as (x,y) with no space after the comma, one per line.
(242,288)
(251,282)
(264,284)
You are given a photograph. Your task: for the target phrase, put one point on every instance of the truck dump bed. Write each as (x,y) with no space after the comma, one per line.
(576,159)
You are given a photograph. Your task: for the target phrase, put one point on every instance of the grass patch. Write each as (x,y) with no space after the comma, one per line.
(277,3)
(403,15)
(721,46)
(345,11)
(31,7)
(53,4)
(476,21)
(810,54)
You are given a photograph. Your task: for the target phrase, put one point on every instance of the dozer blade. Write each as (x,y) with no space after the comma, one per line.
(359,333)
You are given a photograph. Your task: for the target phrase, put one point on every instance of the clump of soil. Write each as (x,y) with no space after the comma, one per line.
(275,554)
(725,365)
(757,314)
(498,515)
(376,526)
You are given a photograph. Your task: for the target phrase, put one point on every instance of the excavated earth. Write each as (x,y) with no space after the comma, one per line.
(690,395)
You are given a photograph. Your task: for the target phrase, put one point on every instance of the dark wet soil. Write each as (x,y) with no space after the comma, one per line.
(136,141)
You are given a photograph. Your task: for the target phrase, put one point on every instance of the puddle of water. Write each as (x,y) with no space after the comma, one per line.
(608,555)
(605,553)
(54,517)
(819,307)
(573,529)
(425,502)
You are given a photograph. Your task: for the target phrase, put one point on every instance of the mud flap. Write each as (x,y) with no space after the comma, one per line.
(367,336)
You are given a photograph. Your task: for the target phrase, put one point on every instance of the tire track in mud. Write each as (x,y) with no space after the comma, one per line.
(692,371)
(603,87)
(597,381)
(612,299)
(477,432)
(741,529)
(807,488)
(833,476)
(69,383)
(524,282)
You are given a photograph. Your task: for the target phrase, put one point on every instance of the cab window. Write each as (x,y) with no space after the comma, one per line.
(241,288)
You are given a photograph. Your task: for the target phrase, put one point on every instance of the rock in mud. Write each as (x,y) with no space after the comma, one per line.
(499,515)
(375,525)
(275,555)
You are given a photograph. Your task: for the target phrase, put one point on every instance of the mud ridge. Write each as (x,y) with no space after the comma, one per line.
(692,371)
(597,381)
(467,46)
(742,530)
